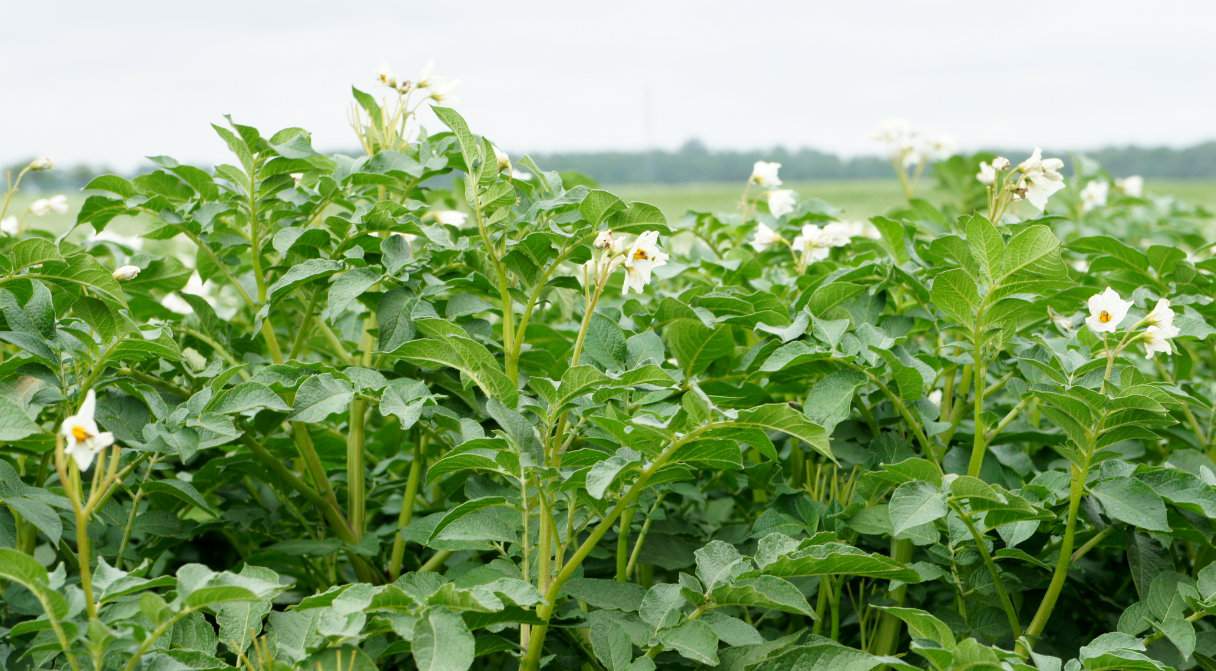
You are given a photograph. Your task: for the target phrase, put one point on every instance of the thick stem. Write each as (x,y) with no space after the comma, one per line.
(1060,575)
(622,545)
(979,446)
(888,630)
(356,488)
(407,510)
(997,584)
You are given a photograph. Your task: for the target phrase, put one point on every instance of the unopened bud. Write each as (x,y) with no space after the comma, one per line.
(603,240)
(42,163)
(125,273)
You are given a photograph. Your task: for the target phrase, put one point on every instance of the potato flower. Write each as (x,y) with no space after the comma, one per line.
(1040,178)
(765,237)
(503,160)
(641,259)
(812,244)
(764,173)
(41,164)
(1161,315)
(1094,195)
(1132,185)
(124,273)
(45,206)
(1157,339)
(781,202)
(10,226)
(84,440)
(1106,311)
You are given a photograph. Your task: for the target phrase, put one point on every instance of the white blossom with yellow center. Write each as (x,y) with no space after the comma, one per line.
(642,257)
(1106,311)
(84,440)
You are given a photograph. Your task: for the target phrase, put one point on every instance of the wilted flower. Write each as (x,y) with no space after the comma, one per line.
(451,217)
(504,161)
(84,440)
(44,206)
(10,226)
(41,163)
(781,202)
(642,258)
(1106,310)
(765,237)
(1132,185)
(764,173)
(604,240)
(124,273)
(1094,195)
(1040,178)
(387,77)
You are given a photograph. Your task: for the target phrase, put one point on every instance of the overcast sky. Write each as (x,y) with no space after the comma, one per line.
(114,81)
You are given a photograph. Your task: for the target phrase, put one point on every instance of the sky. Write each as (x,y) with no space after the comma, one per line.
(109,83)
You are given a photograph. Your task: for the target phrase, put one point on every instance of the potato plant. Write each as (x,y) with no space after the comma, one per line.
(426,408)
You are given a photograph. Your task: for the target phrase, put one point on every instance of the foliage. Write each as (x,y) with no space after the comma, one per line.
(406,416)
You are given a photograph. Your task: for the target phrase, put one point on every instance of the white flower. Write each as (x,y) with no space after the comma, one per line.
(604,240)
(521,175)
(935,397)
(857,229)
(41,163)
(1157,339)
(1000,163)
(1132,186)
(297,178)
(904,145)
(764,173)
(643,257)
(45,206)
(451,217)
(1040,178)
(440,87)
(1161,315)
(837,234)
(504,161)
(811,244)
(194,359)
(387,77)
(84,440)
(938,147)
(125,273)
(781,202)
(1106,310)
(10,226)
(987,174)
(765,237)
(1094,195)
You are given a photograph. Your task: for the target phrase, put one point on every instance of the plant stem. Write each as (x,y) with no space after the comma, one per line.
(622,545)
(888,630)
(979,446)
(997,583)
(356,488)
(637,545)
(407,509)
(1076,489)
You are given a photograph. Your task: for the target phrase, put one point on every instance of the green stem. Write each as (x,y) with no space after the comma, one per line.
(997,583)
(979,446)
(1076,490)
(637,545)
(407,510)
(161,630)
(622,545)
(356,487)
(888,630)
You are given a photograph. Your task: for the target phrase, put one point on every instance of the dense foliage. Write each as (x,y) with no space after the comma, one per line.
(426,409)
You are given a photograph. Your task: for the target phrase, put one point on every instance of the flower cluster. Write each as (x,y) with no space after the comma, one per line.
(780,201)
(436,88)
(44,206)
(911,148)
(814,243)
(1107,310)
(1034,181)
(639,259)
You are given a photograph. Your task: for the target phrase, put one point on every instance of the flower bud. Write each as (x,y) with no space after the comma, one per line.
(603,240)
(193,359)
(42,163)
(125,273)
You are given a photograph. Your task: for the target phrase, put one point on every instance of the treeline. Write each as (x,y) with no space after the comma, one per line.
(695,162)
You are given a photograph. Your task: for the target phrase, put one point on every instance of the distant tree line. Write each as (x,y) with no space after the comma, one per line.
(695,162)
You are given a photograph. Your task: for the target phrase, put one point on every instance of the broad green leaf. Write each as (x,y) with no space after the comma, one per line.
(913,504)
(1131,501)
(319,397)
(442,642)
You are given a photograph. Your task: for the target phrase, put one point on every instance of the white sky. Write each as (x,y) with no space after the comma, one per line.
(115,81)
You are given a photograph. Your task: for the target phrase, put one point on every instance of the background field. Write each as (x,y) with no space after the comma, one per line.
(858,198)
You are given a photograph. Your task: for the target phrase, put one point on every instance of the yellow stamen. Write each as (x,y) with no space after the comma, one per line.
(80,433)
(1104,316)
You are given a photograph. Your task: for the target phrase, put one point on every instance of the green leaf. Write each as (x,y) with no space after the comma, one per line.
(718,563)
(300,273)
(345,288)
(913,504)
(695,345)
(469,357)
(214,595)
(923,625)
(180,490)
(442,642)
(1133,502)
(763,591)
(404,398)
(955,294)
(604,473)
(20,568)
(693,640)
(780,417)
(319,397)
(609,641)
(15,424)
(248,398)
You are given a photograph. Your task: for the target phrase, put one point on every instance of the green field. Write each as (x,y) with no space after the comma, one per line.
(858,198)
